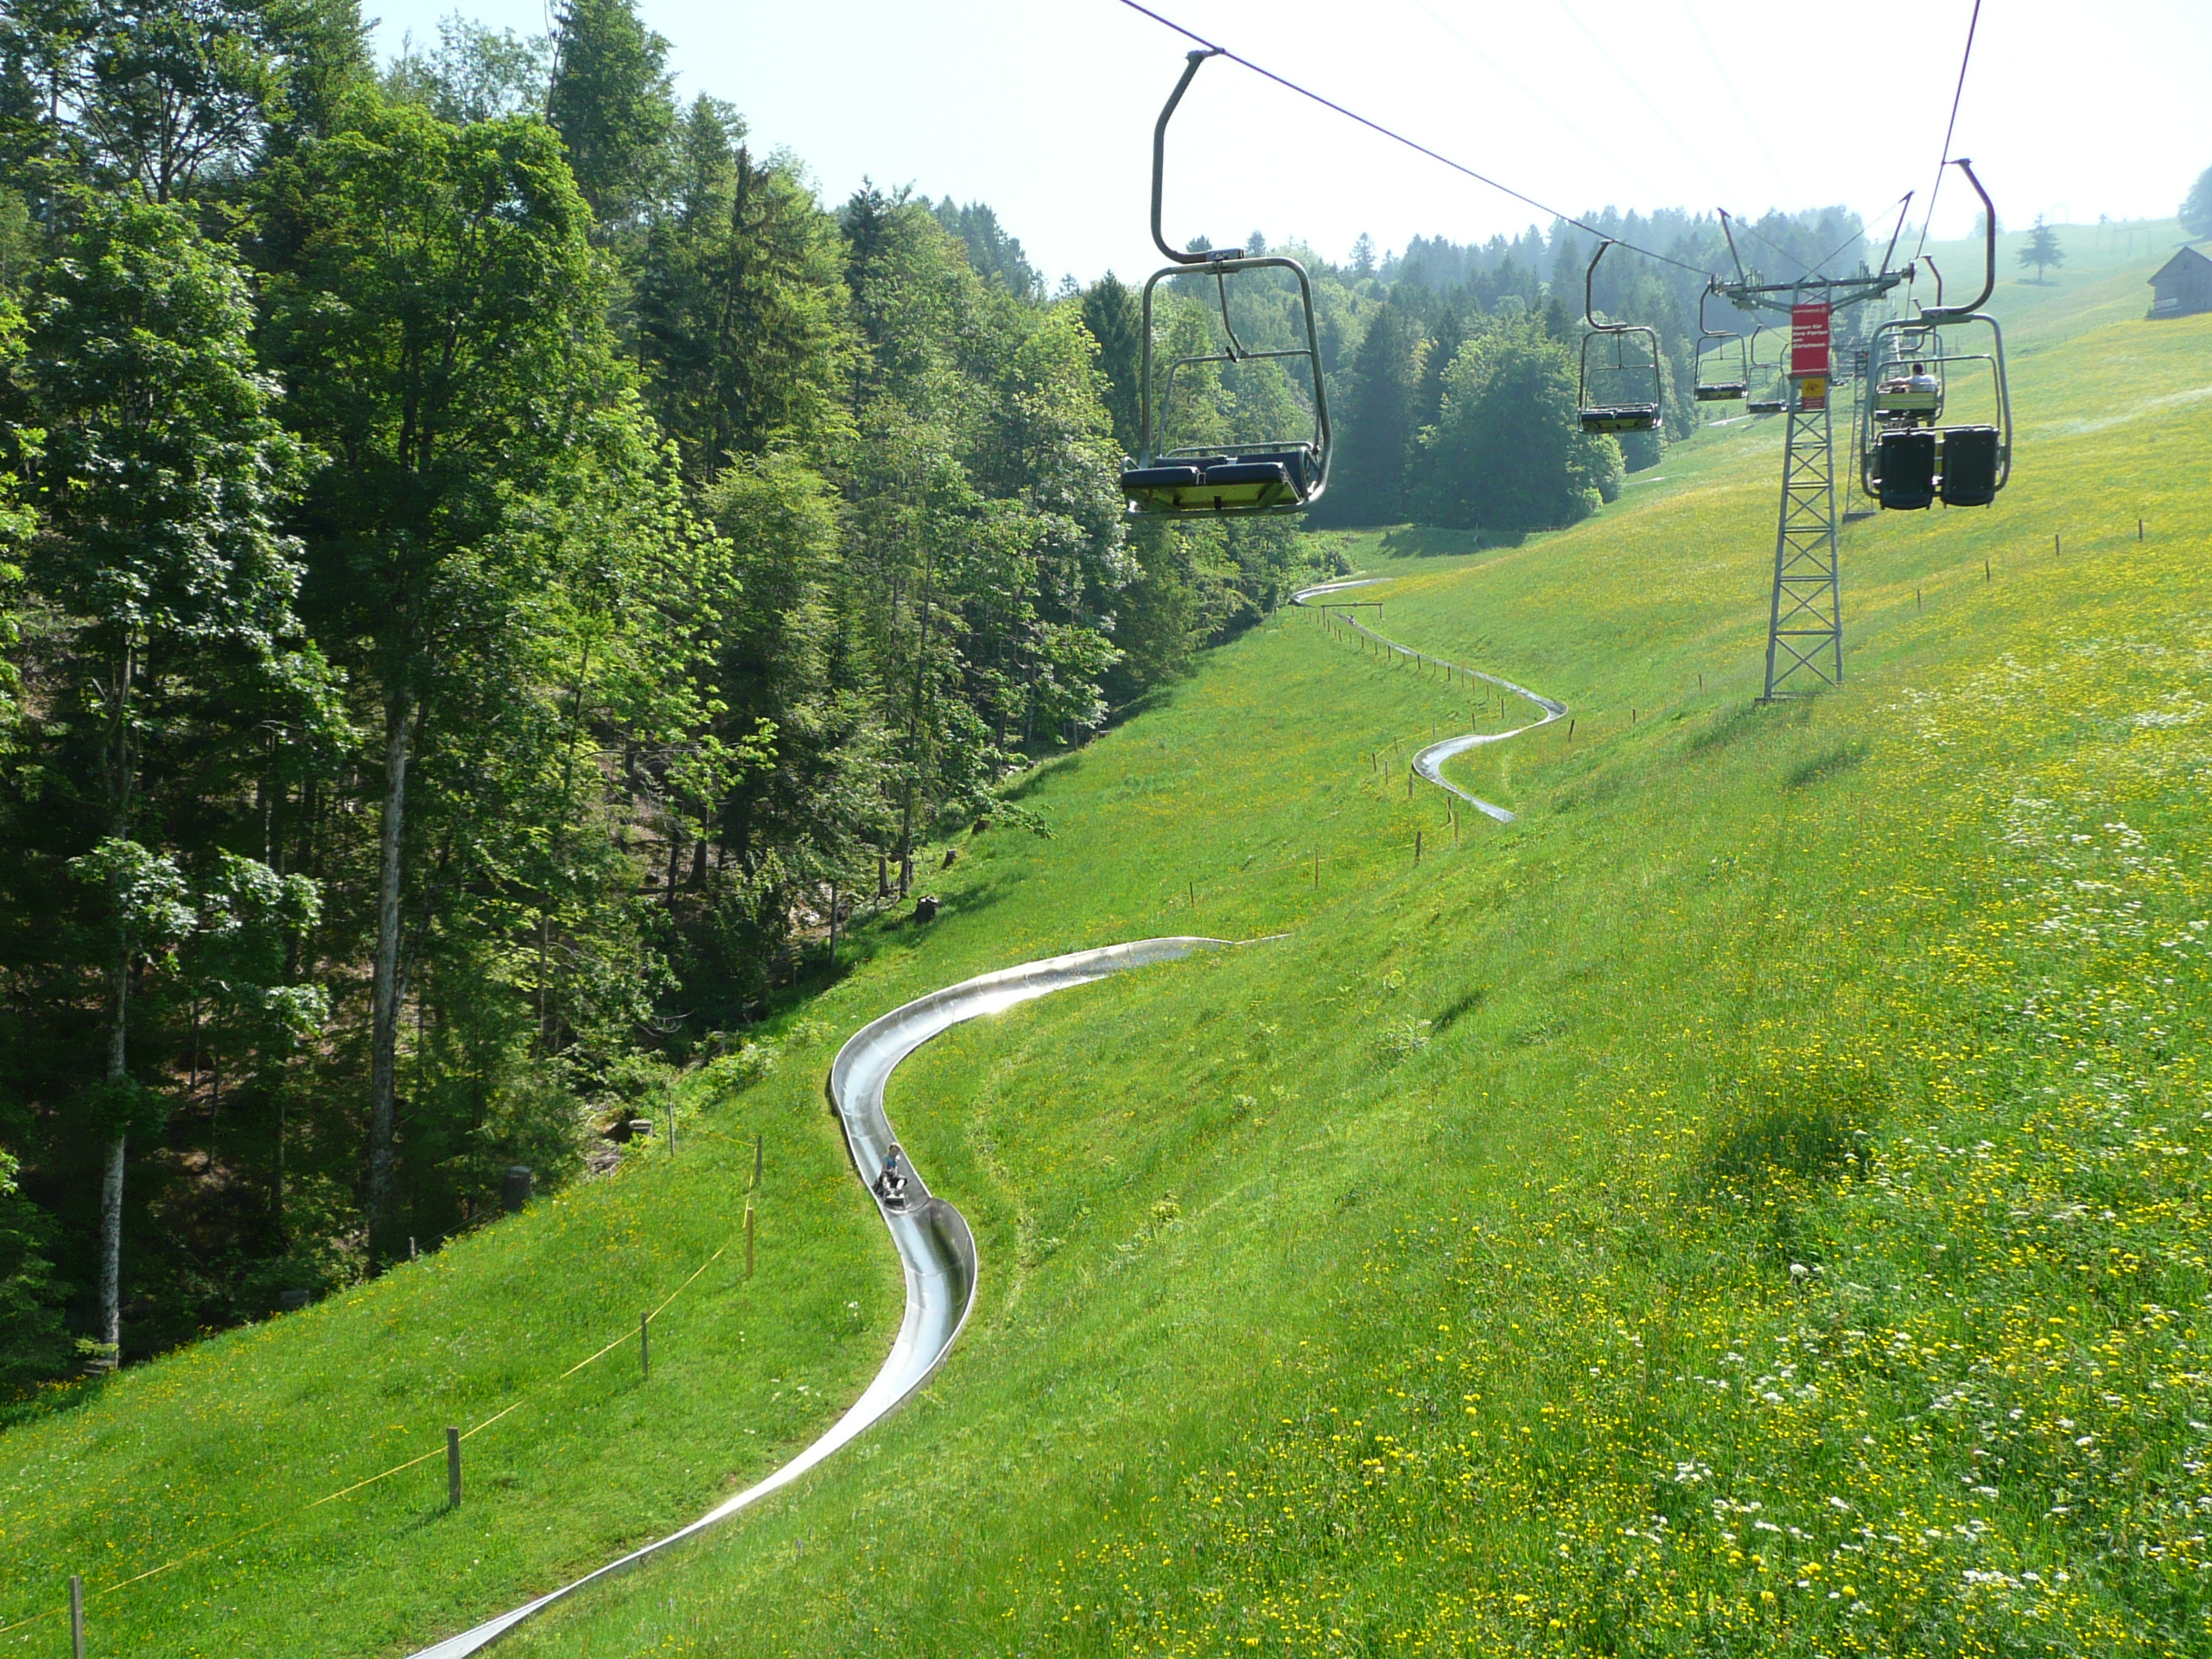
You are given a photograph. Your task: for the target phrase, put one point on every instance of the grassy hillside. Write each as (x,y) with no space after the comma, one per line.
(1752,1200)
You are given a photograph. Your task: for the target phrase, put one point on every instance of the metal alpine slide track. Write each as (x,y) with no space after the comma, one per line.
(1429,762)
(934,1243)
(935,1248)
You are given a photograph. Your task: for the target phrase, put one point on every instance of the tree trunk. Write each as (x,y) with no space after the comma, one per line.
(111,1172)
(111,1254)
(385,991)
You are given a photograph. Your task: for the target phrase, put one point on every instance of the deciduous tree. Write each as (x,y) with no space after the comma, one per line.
(163,471)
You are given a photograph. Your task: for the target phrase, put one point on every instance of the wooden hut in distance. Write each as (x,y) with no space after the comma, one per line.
(2183,286)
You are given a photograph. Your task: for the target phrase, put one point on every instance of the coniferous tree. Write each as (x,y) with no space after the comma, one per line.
(1113,314)
(2041,250)
(992,253)
(610,101)
(741,307)
(1376,429)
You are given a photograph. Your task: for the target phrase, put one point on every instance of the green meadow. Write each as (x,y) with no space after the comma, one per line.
(1753,1201)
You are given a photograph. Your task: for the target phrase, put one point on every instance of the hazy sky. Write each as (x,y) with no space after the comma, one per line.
(1044,108)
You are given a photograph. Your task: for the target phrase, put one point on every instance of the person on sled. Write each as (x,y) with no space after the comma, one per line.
(891,1185)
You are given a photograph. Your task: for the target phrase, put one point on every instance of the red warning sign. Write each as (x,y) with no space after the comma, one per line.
(1810,343)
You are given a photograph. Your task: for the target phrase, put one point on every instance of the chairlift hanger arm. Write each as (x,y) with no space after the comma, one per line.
(1942,313)
(1904,208)
(1160,168)
(1705,330)
(1589,280)
(1728,230)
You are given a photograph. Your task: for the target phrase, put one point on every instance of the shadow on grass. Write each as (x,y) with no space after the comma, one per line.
(1742,720)
(894,929)
(1072,760)
(1434,542)
(1843,756)
(1446,1017)
(50,1400)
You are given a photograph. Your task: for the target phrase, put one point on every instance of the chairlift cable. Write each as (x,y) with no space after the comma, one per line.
(1736,98)
(1966,57)
(1400,139)
(1657,114)
(1525,89)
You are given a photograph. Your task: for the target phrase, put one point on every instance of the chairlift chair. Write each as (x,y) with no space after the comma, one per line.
(1636,414)
(1909,456)
(1210,480)
(1776,399)
(1734,380)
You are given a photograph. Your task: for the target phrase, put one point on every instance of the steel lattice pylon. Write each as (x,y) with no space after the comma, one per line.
(1805,623)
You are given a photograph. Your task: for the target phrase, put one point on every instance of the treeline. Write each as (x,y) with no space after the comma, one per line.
(1457,406)
(491,565)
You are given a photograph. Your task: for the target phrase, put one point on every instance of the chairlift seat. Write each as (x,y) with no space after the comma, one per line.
(1621,417)
(1766,405)
(1256,483)
(1890,400)
(1161,478)
(1907,463)
(1970,465)
(1721,391)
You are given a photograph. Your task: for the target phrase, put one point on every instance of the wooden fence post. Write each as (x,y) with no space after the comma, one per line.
(748,1240)
(645,1347)
(453,1468)
(76,1615)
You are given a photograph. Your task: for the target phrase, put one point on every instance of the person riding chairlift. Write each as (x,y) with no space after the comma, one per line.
(891,1185)
(1919,381)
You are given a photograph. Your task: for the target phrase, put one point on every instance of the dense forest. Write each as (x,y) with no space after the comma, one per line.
(494,565)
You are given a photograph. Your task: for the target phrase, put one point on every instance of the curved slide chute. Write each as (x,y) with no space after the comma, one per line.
(1429,762)
(935,1246)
